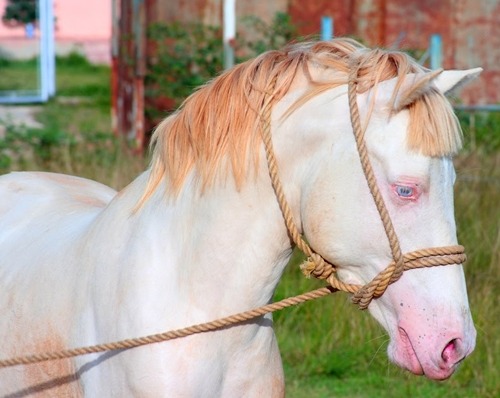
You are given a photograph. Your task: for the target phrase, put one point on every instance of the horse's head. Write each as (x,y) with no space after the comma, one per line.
(410,132)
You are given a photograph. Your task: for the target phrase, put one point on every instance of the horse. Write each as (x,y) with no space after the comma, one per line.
(200,234)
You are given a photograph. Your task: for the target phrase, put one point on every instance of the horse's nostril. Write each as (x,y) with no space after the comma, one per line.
(451,351)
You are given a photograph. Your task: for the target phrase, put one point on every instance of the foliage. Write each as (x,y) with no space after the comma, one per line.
(20,145)
(188,55)
(20,12)
(266,36)
(481,129)
(75,137)
(74,59)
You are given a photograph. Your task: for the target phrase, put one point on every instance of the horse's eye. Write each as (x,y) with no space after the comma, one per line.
(404,191)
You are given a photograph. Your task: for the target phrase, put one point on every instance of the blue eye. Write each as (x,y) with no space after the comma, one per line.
(404,191)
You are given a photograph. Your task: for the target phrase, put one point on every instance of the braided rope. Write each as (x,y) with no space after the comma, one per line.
(315,265)
(170,335)
(321,268)
(417,259)
(394,271)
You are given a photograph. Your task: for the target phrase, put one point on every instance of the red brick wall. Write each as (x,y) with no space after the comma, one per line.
(470,30)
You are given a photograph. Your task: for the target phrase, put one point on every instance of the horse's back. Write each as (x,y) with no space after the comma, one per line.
(50,188)
(31,199)
(43,214)
(44,219)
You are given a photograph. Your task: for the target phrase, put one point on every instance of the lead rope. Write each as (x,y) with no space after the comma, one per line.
(315,265)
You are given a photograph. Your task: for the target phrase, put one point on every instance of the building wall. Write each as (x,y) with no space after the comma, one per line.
(470,30)
(83,26)
(476,42)
(83,20)
(210,11)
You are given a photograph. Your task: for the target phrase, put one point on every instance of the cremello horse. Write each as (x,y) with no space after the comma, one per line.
(200,235)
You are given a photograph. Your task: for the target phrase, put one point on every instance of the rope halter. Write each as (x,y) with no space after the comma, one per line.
(315,264)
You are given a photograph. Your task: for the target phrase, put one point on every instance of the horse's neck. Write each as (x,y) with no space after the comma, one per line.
(223,251)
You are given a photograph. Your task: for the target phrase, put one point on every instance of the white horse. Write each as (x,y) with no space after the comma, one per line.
(200,235)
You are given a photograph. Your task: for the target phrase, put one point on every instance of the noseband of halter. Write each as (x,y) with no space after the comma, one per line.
(315,264)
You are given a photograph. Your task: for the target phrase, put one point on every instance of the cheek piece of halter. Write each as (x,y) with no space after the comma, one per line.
(315,264)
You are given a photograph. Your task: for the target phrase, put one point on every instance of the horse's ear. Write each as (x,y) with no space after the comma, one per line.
(450,80)
(415,85)
(411,88)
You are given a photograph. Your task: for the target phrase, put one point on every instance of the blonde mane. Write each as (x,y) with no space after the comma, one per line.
(216,130)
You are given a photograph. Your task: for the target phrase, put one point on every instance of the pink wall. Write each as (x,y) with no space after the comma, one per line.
(75,20)
(81,25)
(83,19)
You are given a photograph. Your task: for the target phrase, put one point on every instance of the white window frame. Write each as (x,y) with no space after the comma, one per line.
(46,66)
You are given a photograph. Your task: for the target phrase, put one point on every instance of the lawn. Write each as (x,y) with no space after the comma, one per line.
(329,347)
(18,76)
(76,136)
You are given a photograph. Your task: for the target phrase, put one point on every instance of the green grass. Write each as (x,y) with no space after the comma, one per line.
(19,75)
(329,347)
(76,137)
(23,75)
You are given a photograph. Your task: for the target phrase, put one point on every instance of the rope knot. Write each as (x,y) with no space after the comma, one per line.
(432,257)
(317,266)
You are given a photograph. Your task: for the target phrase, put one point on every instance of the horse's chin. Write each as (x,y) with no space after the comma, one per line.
(413,365)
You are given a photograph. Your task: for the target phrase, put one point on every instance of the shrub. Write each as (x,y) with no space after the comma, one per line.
(189,54)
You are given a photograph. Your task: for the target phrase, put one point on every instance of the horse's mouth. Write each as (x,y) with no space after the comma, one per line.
(437,366)
(405,356)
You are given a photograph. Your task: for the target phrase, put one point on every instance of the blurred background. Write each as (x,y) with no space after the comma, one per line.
(82,85)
